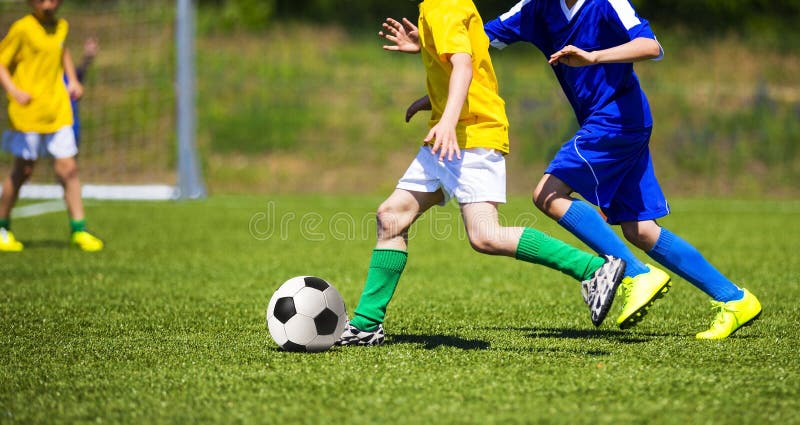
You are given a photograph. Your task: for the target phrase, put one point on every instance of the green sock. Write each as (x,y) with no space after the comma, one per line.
(538,248)
(77,225)
(5,223)
(384,272)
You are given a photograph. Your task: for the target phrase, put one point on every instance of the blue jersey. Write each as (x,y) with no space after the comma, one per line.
(603,95)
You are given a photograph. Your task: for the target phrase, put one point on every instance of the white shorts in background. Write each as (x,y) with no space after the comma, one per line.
(31,146)
(479,176)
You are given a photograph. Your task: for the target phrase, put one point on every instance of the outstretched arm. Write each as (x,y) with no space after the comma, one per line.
(74,87)
(443,134)
(90,48)
(636,50)
(405,36)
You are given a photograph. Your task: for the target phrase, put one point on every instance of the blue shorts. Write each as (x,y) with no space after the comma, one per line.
(614,171)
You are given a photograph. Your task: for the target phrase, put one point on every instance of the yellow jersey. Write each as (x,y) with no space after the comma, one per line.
(33,56)
(447,27)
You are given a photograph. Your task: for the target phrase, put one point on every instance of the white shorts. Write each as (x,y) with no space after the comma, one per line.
(479,176)
(31,146)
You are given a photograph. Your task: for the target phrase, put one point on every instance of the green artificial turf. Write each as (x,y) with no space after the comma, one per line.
(167,324)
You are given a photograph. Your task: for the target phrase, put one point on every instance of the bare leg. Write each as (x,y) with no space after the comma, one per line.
(21,172)
(487,236)
(552,196)
(643,234)
(398,212)
(485,233)
(67,171)
(395,216)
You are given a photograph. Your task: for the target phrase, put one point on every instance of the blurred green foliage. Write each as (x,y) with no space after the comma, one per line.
(703,15)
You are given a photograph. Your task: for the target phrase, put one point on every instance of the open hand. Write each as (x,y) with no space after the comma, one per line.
(445,141)
(572,56)
(405,36)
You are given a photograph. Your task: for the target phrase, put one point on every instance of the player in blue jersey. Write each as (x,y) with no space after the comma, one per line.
(90,48)
(592,45)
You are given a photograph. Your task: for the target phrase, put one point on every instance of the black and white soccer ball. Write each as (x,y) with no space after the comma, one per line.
(306,314)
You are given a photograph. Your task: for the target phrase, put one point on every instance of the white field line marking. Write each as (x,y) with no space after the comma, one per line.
(38,209)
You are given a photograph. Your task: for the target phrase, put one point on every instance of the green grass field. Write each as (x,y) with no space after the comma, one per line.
(167,324)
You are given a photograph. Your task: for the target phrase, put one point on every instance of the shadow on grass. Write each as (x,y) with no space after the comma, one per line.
(625,337)
(567,333)
(47,243)
(430,342)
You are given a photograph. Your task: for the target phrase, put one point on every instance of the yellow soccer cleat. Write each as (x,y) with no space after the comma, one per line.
(86,241)
(640,292)
(8,243)
(731,316)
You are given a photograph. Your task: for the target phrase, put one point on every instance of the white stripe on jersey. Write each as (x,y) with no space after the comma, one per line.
(626,13)
(570,13)
(514,10)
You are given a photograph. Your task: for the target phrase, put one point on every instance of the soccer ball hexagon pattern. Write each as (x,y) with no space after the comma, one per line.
(306,314)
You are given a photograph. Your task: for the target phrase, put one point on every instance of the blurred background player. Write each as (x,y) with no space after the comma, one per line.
(462,157)
(90,49)
(33,60)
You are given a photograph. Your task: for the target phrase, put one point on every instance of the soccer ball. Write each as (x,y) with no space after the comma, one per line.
(306,314)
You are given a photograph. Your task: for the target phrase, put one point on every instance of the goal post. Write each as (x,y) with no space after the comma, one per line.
(138,113)
(190,181)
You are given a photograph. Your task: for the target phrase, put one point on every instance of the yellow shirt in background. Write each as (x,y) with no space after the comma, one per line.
(447,27)
(34,57)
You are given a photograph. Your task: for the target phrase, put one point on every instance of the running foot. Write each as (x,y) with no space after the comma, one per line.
(599,291)
(86,241)
(641,292)
(8,243)
(731,316)
(354,336)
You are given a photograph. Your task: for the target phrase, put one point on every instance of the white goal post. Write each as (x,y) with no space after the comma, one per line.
(137,116)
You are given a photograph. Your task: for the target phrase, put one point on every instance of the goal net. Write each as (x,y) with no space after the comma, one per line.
(129,115)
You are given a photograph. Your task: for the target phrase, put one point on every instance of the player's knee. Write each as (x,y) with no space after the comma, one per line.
(640,234)
(541,199)
(22,173)
(66,171)
(631,233)
(26,172)
(483,244)
(390,222)
(540,203)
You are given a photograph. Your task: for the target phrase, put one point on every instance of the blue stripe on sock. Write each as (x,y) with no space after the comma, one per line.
(686,261)
(584,222)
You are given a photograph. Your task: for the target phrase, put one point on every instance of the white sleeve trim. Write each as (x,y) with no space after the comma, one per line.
(514,10)
(625,13)
(661,54)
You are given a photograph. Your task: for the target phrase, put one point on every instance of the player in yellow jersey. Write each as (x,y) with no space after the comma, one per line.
(33,61)
(462,157)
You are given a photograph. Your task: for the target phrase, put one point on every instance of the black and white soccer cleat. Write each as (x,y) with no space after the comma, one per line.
(354,336)
(599,291)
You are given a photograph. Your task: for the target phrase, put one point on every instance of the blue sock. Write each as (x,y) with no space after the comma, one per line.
(685,260)
(585,223)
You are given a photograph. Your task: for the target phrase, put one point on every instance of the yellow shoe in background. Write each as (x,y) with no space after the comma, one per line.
(640,292)
(8,243)
(731,316)
(86,241)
